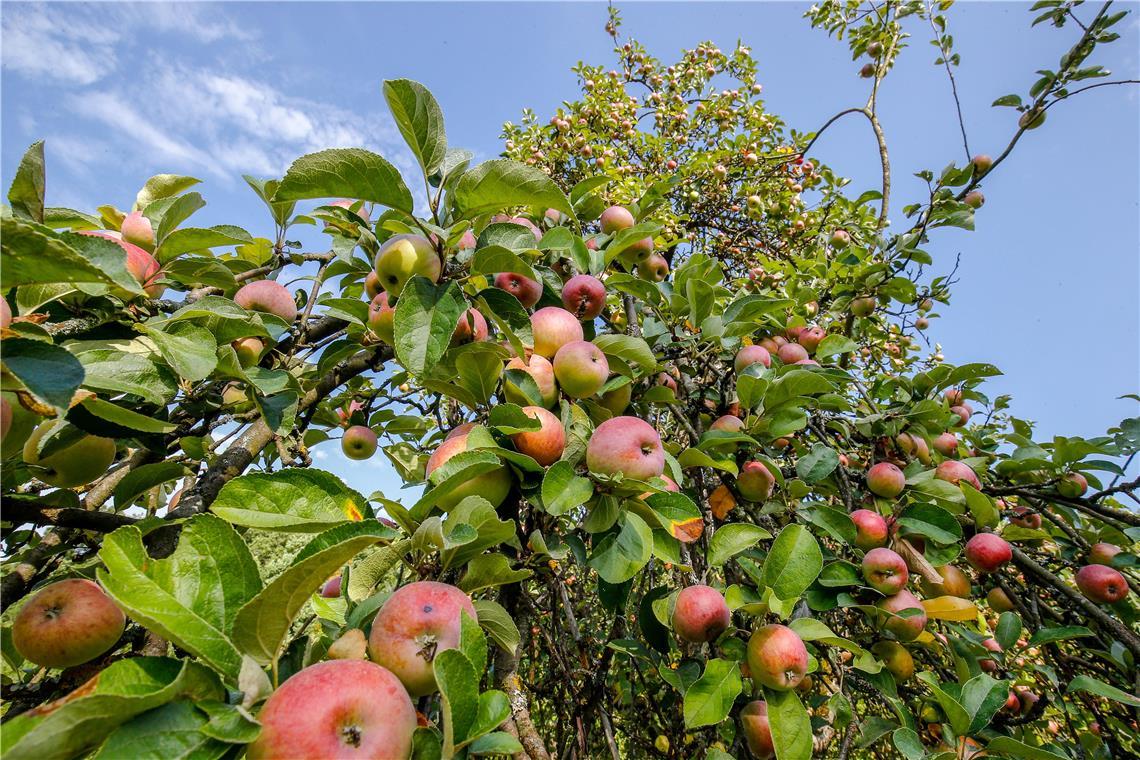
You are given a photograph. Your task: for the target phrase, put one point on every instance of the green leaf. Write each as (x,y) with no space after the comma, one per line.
(498,623)
(709,700)
(459,696)
(368,573)
(1101,689)
(345,173)
(110,369)
(793,563)
(420,121)
(835,345)
(189,349)
(117,415)
(817,464)
(1005,746)
(633,351)
(494,708)
(48,371)
(732,539)
(790,724)
(908,744)
(196,239)
(563,491)
(981,506)
(956,714)
(982,697)
(121,691)
(171,731)
(1008,629)
(501,183)
(479,371)
(1049,635)
(619,556)
(497,743)
(37,255)
(229,723)
(293,499)
(193,596)
(144,478)
(261,626)
(494,259)
(426,315)
(472,643)
(488,571)
(932,522)
(162,186)
(177,211)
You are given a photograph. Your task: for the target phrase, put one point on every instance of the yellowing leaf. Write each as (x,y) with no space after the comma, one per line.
(950,608)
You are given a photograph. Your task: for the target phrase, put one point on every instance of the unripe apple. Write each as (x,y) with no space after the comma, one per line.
(269,297)
(974,199)
(792,353)
(863,306)
(382,318)
(981,163)
(728,423)
(615,219)
(418,621)
(1073,485)
(700,614)
(402,257)
(138,230)
(986,664)
(757,730)
(654,268)
(1031,119)
(870,529)
(67,623)
(348,204)
(750,355)
(777,657)
(954,583)
(896,659)
(492,486)
(946,444)
(755,481)
(616,400)
(350,645)
(987,552)
(904,628)
(581,369)
(953,472)
(248,350)
(885,571)
(641,250)
(1101,553)
(339,708)
(584,296)
(470,328)
(1102,584)
(886,480)
(358,442)
(542,372)
(546,444)
(77,464)
(553,328)
(627,446)
(998,600)
(528,291)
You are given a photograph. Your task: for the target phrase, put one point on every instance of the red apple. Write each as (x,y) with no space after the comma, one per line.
(811,338)
(906,628)
(750,355)
(67,623)
(870,529)
(1102,553)
(381,318)
(138,230)
(1102,584)
(885,571)
(546,444)
(528,291)
(792,353)
(987,552)
(1073,485)
(628,446)
(269,297)
(553,328)
(728,423)
(755,481)
(886,480)
(954,472)
(615,219)
(331,589)
(700,614)
(777,657)
(542,372)
(757,730)
(946,444)
(584,296)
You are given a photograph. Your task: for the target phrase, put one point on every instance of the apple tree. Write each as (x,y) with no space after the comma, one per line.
(692,482)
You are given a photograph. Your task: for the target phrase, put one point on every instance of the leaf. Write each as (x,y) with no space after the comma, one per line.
(420,121)
(631,350)
(459,696)
(790,724)
(36,255)
(906,741)
(1008,629)
(261,626)
(955,713)
(498,623)
(709,700)
(293,499)
(982,697)
(162,186)
(733,539)
(196,239)
(138,374)
(501,183)
(793,563)
(950,608)
(931,521)
(1049,635)
(48,371)
(171,731)
(563,491)
(497,743)
(619,557)
(144,478)
(494,708)
(189,349)
(981,506)
(817,464)
(426,315)
(492,259)
(345,173)
(678,515)
(488,571)
(26,193)
(179,210)
(113,413)
(121,691)
(368,573)
(479,372)
(190,598)
(835,345)
(1002,746)
(1100,688)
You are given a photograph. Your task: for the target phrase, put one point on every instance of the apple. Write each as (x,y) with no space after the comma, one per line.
(1102,584)
(870,529)
(885,571)
(946,444)
(867,71)
(372,287)
(757,730)
(459,430)
(402,257)
(553,328)
(792,353)
(581,369)
(974,199)
(1101,553)
(417,622)
(964,412)
(528,291)
(668,381)
(998,600)
(467,241)
(5,313)
(140,263)
(987,552)
(492,486)
(772,343)
(1031,119)
(896,659)
(986,664)
(584,296)
(542,372)
(886,480)
(381,318)
(750,355)
(138,230)
(700,614)
(348,204)
(67,623)
(863,306)
(1025,518)
(728,423)
(905,628)
(470,328)
(339,708)
(267,296)
(350,645)
(954,583)
(755,481)
(627,446)
(358,442)
(615,219)
(811,338)
(521,221)
(954,472)
(544,445)
(76,464)
(641,250)
(235,398)
(331,589)
(616,401)
(1072,486)
(777,657)
(248,350)
(981,163)
(840,238)
(655,268)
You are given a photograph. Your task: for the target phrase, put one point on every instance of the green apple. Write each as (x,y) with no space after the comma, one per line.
(403,257)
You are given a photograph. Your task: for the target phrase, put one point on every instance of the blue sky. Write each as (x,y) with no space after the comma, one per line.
(1048,282)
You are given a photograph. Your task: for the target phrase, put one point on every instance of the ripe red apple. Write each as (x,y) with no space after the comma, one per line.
(1073,485)
(886,480)
(1101,553)
(700,614)
(1024,518)
(339,708)
(641,250)
(1102,584)
(381,318)
(896,659)
(870,529)
(418,621)
(964,411)
(755,481)
(998,600)
(358,442)
(553,328)
(985,663)
(615,219)
(777,657)
(954,583)
(248,350)
(757,730)
(584,296)
(402,257)
(470,328)
(331,589)
(67,623)
(728,423)
(811,338)
(750,355)
(138,230)
(953,472)
(546,444)
(904,628)
(269,297)
(142,266)
(528,291)
(885,571)
(867,71)
(542,372)
(76,464)
(459,430)
(492,486)
(628,446)
(668,381)
(655,268)
(581,369)
(792,353)
(987,552)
